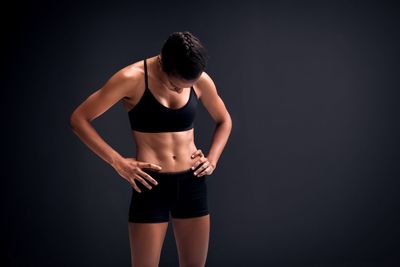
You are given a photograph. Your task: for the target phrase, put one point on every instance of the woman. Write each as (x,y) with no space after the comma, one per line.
(169,174)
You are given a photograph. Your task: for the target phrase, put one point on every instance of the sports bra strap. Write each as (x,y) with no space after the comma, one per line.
(145,72)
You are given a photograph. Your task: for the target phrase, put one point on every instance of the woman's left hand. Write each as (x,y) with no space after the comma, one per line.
(206,168)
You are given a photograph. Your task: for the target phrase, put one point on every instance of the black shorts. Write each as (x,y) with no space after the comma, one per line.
(181,193)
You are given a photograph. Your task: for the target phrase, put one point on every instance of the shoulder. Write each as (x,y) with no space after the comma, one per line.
(131,73)
(127,79)
(211,99)
(205,85)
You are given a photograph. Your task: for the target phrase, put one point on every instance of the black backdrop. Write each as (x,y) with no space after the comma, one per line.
(309,177)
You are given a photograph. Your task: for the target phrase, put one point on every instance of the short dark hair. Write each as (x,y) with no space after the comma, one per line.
(183,56)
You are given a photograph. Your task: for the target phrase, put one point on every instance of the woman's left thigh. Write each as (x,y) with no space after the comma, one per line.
(192,238)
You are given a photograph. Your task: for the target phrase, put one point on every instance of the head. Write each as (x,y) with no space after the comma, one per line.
(183,59)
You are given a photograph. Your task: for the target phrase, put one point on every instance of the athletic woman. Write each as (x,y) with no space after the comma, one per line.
(169,173)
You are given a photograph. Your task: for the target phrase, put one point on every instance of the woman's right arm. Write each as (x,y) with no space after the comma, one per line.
(96,104)
(117,87)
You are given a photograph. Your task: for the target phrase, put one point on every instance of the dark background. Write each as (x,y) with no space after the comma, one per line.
(310,174)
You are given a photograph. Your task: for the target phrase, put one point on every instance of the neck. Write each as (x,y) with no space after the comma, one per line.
(162,76)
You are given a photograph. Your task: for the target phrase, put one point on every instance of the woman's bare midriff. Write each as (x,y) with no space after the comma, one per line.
(170,150)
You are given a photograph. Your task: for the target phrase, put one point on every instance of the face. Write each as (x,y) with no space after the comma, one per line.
(177,84)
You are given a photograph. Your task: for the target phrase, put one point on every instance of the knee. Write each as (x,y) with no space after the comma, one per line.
(144,265)
(191,265)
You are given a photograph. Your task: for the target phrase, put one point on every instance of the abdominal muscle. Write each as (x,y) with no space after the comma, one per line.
(170,150)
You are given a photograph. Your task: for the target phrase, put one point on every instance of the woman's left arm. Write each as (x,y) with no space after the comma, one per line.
(217,109)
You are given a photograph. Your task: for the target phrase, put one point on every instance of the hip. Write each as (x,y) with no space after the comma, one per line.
(181,184)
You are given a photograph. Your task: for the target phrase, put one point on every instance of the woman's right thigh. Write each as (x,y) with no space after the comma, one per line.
(146,241)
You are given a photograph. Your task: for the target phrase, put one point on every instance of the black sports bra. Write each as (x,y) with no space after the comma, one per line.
(149,115)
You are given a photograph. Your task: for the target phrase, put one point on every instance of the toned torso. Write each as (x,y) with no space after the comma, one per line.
(171,150)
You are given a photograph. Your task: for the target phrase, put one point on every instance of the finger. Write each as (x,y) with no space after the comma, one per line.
(197,153)
(198,170)
(148,177)
(202,169)
(149,165)
(143,181)
(134,185)
(198,162)
(206,171)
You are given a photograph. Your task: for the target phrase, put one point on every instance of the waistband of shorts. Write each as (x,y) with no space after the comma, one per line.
(175,173)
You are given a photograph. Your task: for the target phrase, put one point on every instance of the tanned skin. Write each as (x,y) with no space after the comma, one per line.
(164,152)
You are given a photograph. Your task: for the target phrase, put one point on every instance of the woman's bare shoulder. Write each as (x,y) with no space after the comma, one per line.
(204,84)
(130,77)
(131,71)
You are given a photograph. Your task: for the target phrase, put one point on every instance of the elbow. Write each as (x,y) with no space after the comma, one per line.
(229,120)
(74,120)
(72,123)
(226,122)
(77,119)
(229,123)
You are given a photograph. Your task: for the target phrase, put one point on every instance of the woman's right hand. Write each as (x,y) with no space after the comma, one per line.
(131,169)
